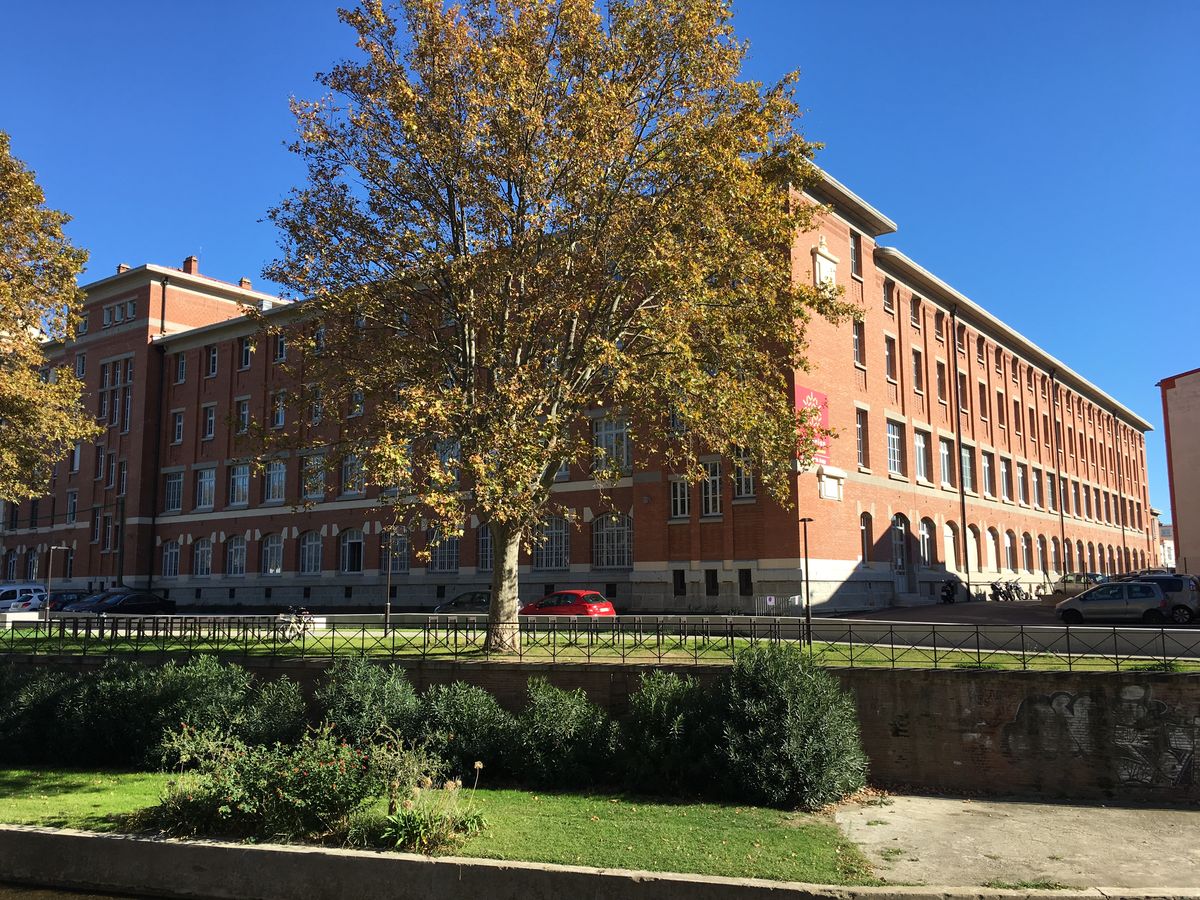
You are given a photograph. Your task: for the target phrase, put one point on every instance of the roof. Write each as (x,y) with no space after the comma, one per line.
(1169,381)
(893,260)
(832,191)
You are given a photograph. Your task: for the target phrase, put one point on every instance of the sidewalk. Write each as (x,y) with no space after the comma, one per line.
(951,841)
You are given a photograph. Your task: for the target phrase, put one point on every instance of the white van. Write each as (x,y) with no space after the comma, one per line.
(24,596)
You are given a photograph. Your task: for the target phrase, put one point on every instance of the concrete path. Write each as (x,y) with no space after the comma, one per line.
(951,841)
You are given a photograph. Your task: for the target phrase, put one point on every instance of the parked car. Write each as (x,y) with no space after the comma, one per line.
(1181,591)
(59,599)
(123,601)
(22,596)
(470,602)
(1141,601)
(1075,583)
(570,603)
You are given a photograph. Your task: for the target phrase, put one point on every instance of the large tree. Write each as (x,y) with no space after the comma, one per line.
(518,212)
(40,413)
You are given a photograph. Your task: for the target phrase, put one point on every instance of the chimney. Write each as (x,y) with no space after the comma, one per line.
(122,268)
(191,265)
(244,284)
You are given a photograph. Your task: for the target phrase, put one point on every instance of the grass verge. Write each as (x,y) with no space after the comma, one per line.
(600,830)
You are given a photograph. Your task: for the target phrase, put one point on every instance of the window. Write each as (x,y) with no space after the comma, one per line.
(72,506)
(914,312)
(485,559)
(1087,502)
(963,398)
(272,554)
(396,556)
(280,353)
(102,412)
(122,477)
(244,350)
(889,296)
(1075,493)
(80,365)
(925,545)
(551,549)
(235,555)
(243,416)
(443,552)
(895,446)
(1010,551)
(889,358)
(743,475)
(211,356)
(209,428)
(612,542)
(180,368)
(862,435)
(319,339)
(111,481)
(855,253)
(986,470)
(979,351)
(864,537)
(960,338)
(239,484)
(1015,367)
(710,490)
(946,459)
(999,358)
(1033,432)
(310,553)
(202,558)
(983,407)
(1006,479)
(274,481)
(921,455)
(611,438)
(107,317)
(99,473)
(351,551)
(1022,483)
(941,381)
(967,465)
(939,325)
(76,454)
(278,409)
(177,427)
(126,398)
(681,493)
(83,324)
(316,405)
(356,403)
(173,492)
(206,487)
(352,475)
(1051,492)
(170,559)
(860,343)
(1035,482)
(918,370)
(1016,418)
(314,478)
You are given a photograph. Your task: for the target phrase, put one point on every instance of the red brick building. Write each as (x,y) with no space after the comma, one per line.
(961,446)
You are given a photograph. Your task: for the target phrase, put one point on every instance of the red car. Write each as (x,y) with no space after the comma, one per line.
(570,603)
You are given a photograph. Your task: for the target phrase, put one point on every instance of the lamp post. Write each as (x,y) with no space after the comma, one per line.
(49,575)
(387,596)
(807,596)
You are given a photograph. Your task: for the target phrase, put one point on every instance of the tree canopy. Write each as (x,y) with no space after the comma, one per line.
(518,212)
(40,414)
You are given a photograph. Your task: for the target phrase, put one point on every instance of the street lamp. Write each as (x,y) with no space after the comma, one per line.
(387,597)
(807,596)
(49,575)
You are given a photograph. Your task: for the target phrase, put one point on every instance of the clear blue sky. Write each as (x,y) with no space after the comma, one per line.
(1040,157)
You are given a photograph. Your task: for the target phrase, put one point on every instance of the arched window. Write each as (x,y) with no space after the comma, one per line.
(899,542)
(31,565)
(1054,557)
(950,546)
(1082,558)
(1010,551)
(960,338)
(170,559)
(1043,559)
(1091,558)
(1128,567)
(1112,560)
(551,549)
(484,558)
(395,555)
(928,549)
(1069,560)
(235,555)
(1027,551)
(310,553)
(10,565)
(865,539)
(994,548)
(202,558)
(443,551)
(350,556)
(612,542)
(272,554)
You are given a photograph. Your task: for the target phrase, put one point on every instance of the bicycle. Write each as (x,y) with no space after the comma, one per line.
(292,625)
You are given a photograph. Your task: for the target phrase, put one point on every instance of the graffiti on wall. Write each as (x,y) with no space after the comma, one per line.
(1145,741)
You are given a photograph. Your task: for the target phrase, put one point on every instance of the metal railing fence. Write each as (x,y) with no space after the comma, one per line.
(835,643)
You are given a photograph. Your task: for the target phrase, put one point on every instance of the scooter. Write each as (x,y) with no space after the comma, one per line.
(950,590)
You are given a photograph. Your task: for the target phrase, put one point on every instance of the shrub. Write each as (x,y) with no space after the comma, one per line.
(463,724)
(359,698)
(562,739)
(34,716)
(433,818)
(669,735)
(790,733)
(309,790)
(275,712)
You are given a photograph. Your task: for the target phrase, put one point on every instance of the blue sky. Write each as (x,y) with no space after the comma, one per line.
(1040,157)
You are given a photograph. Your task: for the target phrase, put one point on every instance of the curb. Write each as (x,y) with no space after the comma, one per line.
(81,860)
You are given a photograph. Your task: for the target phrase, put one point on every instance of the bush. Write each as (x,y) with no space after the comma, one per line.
(562,739)
(359,698)
(309,790)
(34,711)
(669,735)
(463,724)
(790,733)
(275,712)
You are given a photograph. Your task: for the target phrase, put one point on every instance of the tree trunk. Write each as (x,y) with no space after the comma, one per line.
(504,633)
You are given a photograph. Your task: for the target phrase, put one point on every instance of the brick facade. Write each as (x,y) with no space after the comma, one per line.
(925,382)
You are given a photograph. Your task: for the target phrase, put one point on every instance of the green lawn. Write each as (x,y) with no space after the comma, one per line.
(608,831)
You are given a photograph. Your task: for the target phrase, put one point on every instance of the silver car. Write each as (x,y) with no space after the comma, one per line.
(1076,583)
(1139,601)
